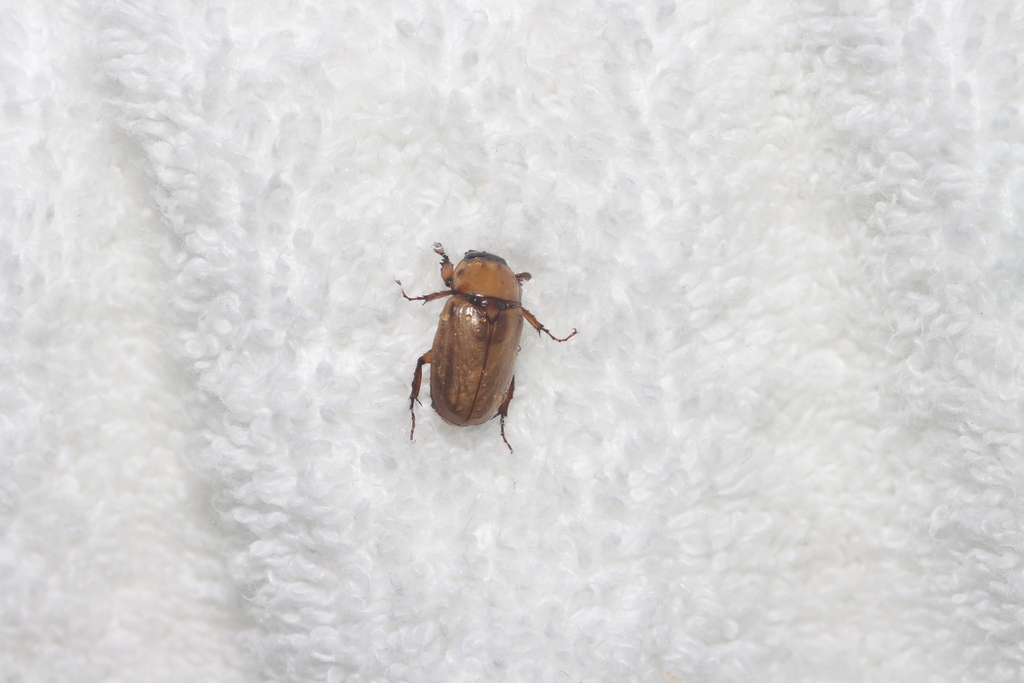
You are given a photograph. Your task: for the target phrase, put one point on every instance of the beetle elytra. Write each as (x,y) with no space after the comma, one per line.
(477,340)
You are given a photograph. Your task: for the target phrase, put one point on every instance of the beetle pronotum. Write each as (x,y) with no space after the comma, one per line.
(477,339)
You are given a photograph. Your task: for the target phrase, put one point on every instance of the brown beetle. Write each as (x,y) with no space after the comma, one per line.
(476,342)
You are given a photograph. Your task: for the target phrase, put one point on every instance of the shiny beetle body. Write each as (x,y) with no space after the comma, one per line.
(477,340)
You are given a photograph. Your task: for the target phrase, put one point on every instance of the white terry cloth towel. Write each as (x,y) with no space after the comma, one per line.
(786,444)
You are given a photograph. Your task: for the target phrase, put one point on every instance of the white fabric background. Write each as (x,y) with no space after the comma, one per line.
(785,446)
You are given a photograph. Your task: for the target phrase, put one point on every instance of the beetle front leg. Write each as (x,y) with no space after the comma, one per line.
(447,269)
(414,397)
(503,411)
(426,297)
(540,328)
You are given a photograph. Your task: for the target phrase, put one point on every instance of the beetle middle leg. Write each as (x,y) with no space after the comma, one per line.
(503,411)
(540,328)
(414,397)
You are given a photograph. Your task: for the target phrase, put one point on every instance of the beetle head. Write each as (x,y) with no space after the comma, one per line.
(472,255)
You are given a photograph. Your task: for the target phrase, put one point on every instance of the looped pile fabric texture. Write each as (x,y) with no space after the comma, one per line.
(786,444)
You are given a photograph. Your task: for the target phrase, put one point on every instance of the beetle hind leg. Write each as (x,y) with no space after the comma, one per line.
(414,397)
(503,411)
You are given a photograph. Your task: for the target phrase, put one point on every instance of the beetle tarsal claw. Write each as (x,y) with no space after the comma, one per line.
(510,449)
(402,290)
(573,334)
